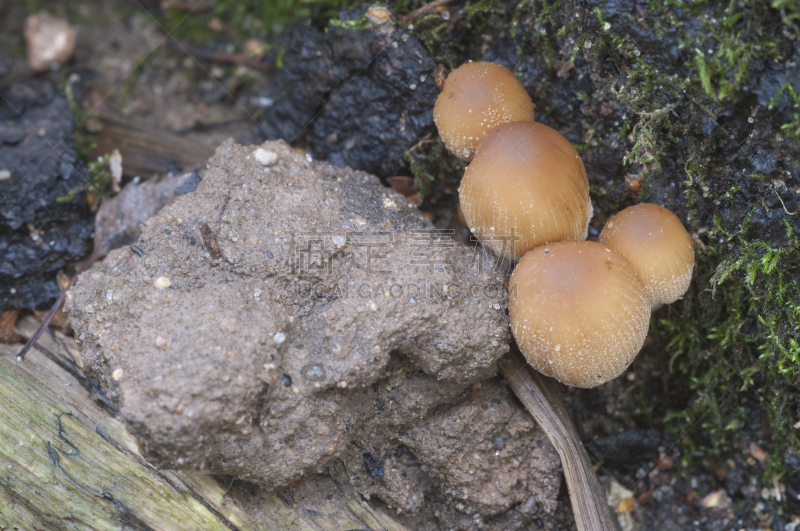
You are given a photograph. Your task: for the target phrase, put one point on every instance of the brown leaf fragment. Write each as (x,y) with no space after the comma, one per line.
(210,241)
(59,320)
(665,462)
(625,505)
(7,321)
(403,185)
(758,452)
(716,500)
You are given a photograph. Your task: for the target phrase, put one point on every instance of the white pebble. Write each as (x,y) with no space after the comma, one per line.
(163,282)
(117,374)
(5,174)
(264,157)
(279,338)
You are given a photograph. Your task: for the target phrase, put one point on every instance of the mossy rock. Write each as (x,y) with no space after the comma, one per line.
(697,104)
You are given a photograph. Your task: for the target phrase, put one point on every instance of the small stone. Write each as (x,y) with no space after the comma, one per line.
(5,174)
(264,157)
(315,372)
(162,283)
(50,41)
(162,342)
(117,374)
(279,338)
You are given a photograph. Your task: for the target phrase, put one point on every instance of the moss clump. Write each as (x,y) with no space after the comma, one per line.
(237,20)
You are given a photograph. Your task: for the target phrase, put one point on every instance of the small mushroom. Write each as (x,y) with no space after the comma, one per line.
(525,187)
(578,312)
(653,240)
(475,98)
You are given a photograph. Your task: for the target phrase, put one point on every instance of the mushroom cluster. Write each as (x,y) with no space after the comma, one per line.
(580,310)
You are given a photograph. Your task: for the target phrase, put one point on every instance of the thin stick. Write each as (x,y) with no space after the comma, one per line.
(542,399)
(59,301)
(220,57)
(422,11)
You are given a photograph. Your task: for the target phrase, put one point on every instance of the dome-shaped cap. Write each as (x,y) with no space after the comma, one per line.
(475,98)
(657,246)
(527,181)
(578,312)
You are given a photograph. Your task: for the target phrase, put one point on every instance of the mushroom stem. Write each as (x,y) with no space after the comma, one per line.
(541,398)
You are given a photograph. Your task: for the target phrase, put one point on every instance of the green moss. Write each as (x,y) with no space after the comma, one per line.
(244,19)
(738,330)
(791,127)
(740,333)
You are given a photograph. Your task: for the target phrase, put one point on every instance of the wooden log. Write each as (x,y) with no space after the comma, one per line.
(66,463)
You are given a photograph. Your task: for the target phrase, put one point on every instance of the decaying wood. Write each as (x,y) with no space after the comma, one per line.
(144,150)
(66,463)
(541,397)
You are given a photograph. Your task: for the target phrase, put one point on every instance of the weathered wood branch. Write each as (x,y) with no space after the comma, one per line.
(66,463)
(541,398)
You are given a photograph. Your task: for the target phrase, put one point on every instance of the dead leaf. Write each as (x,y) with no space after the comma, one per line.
(716,500)
(7,321)
(415,200)
(403,185)
(758,452)
(625,505)
(665,462)
(59,320)
(633,182)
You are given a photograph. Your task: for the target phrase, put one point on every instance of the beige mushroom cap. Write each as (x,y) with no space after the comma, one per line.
(656,244)
(578,312)
(475,98)
(526,180)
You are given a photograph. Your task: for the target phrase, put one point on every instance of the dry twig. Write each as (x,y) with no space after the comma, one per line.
(540,396)
(417,14)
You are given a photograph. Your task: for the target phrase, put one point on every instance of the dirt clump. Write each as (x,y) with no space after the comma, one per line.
(336,325)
